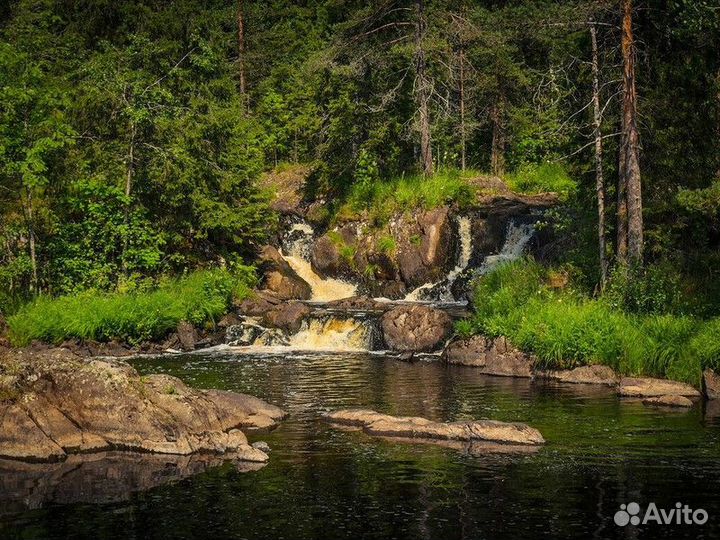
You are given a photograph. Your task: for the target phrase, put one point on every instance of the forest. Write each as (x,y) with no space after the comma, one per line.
(133,134)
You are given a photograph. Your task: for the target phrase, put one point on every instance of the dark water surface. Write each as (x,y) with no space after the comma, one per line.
(323,483)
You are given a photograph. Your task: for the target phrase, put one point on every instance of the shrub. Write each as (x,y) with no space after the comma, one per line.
(133,317)
(386,244)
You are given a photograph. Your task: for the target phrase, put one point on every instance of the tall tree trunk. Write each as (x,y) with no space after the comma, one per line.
(630,162)
(497,156)
(463,132)
(128,191)
(241,51)
(599,179)
(423,91)
(30,223)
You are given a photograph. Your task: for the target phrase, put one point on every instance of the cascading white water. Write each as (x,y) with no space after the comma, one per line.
(332,334)
(298,246)
(517,238)
(465,234)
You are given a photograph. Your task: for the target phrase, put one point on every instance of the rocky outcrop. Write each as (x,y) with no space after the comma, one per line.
(711,384)
(187,335)
(259,303)
(416,328)
(428,254)
(668,401)
(490,356)
(647,387)
(56,404)
(326,259)
(595,374)
(279,277)
(288,316)
(374,423)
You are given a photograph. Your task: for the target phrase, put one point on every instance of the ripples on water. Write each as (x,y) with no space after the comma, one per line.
(324,483)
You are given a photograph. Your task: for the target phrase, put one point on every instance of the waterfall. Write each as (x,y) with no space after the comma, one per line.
(517,237)
(332,334)
(296,251)
(442,288)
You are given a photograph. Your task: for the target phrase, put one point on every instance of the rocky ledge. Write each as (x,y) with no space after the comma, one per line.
(55,403)
(408,427)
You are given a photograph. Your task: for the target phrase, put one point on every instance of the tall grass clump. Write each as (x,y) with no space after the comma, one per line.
(565,329)
(383,198)
(542,178)
(201,297)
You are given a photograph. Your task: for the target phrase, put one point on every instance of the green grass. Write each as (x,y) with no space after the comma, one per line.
(542,178)
(201,297)
(565,329)
(384,198)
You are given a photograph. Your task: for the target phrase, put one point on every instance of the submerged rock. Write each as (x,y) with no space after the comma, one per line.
(711,384)
(668,401)
(648,387)
(58,404)
(384,425)
(416,328)
(491,356)
(595,374)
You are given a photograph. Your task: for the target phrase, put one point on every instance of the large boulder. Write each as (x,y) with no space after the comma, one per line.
(280,278)
(426,255)
(490,356)
(711,384)
(648,387)
(258,303)
(384,425)
(416,328)
(288,316)
(187,335)
(57,404)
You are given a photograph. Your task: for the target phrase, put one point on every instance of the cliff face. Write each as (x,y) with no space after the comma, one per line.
(411,248)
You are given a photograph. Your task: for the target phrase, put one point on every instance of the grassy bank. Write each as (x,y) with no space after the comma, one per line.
(383,198)
(201,297)
(566,329)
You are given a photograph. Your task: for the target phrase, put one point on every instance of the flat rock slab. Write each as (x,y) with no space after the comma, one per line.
(408,427)
(61,404)
(668,401)
(647,387)
(596,374)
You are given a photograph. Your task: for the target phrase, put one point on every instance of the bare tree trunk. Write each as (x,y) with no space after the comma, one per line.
(30,222)
(497,156)
(463,133)
(599,180)
(128,190)
(422,91)
(241,51)
(630,162)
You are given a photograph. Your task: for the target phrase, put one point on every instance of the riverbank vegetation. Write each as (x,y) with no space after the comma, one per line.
(200,298)
(537,309)
(133,135)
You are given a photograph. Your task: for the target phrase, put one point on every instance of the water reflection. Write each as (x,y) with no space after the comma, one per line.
(324,483)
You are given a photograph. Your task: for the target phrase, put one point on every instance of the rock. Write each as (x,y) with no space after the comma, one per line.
(187,335)
(394,290)
(383,425)
(491,356)
(228,320)
(258,303)
(358,303)
(595,374)
(647,387)
(280,278)
(65,404)
(262,446)
(711,384)
(288,316)
(668,401)
(429,259)
(243,334)
(416,328)
(326,259)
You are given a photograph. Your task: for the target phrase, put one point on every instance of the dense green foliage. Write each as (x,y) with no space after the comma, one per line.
(566,329)
(200,298)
